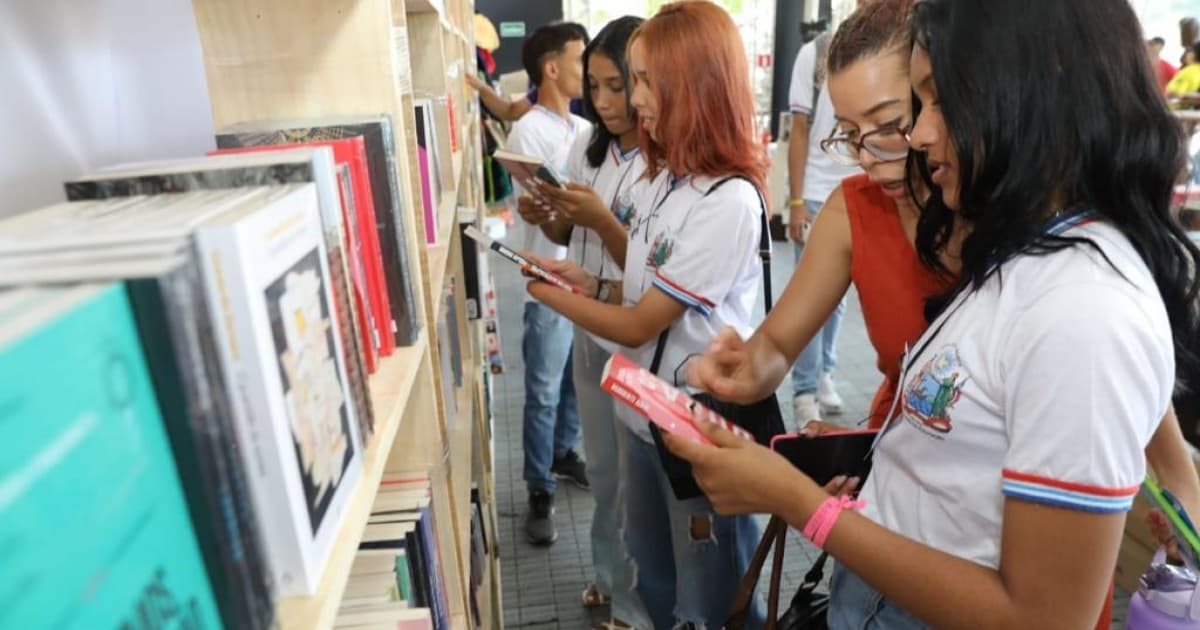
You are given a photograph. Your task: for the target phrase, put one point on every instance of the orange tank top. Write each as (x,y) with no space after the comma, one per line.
(892,282)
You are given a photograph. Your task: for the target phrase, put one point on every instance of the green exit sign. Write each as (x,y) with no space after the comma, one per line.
(512,29)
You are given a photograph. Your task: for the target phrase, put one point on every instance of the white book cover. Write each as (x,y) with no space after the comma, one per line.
(267,281)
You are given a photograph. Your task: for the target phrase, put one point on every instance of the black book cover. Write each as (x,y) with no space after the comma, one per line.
(176,338)
(470,261)
(389,205)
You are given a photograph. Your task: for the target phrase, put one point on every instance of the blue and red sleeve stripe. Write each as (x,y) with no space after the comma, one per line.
(1065,494)
(687,298)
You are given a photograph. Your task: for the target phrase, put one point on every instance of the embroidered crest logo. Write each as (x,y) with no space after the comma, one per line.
(624,210)
(660,251)
(933,392)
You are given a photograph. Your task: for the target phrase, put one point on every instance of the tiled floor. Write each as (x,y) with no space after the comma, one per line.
(542,586)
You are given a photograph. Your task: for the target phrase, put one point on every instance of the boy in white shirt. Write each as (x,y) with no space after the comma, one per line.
(553,57)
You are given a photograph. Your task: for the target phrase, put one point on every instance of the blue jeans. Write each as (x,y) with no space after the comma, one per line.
(688,561)
(551,420)
(603,441)
(820,355)
(855,606)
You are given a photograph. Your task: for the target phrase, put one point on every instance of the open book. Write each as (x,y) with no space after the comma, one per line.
(525,169)
(667,407)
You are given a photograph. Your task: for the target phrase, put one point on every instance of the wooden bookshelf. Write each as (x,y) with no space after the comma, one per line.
(295,59)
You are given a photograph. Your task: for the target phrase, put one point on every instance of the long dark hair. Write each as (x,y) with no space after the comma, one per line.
(1066,109)
(611,42)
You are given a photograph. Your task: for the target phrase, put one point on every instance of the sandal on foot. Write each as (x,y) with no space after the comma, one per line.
(613,624)
(593,598)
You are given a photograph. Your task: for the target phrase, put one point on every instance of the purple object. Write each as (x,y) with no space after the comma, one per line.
(1167,598)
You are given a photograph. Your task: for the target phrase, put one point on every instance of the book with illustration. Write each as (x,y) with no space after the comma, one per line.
(267,282)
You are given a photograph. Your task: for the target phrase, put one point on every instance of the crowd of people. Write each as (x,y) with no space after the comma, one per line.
(1004,214)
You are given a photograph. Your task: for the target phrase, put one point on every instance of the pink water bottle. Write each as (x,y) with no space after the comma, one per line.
(1167,598)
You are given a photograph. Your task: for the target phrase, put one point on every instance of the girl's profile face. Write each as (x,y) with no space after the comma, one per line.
(872,101)
(607,91)
(643,99)
(929,132)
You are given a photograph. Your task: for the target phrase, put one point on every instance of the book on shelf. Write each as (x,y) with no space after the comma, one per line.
(351,152)
(342,244)
(177,338)
(409,537)
(96,528)
(387,193)
(265,271)
(428,167)
(265,283)
(470,262)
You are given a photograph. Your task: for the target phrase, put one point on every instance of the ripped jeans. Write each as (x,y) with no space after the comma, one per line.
(687,560)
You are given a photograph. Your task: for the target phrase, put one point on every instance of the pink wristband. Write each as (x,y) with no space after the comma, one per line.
(821,523)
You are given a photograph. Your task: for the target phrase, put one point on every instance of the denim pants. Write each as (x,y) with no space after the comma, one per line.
(820,355)
(688,561)
(550,425)
(855,606)
(603,440)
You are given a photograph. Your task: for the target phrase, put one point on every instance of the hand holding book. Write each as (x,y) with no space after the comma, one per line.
(577,203)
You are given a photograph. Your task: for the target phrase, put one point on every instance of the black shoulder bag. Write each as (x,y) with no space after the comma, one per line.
(761,419)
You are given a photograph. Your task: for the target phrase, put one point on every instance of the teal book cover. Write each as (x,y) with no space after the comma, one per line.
(94,531)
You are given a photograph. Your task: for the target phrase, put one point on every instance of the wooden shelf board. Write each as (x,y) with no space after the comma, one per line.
(426,6)
(390,388)
(439,253)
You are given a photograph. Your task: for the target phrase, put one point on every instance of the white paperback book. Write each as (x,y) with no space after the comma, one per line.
(268,286)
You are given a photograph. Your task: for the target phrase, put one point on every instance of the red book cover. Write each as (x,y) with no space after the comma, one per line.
(352,151)
(666,406)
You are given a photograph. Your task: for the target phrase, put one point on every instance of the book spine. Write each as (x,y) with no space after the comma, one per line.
(227,290)
(360,288)
(470,260)
(171,321)
(402,279)
(374,260)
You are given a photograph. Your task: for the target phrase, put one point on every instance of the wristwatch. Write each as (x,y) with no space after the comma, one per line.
(603,290)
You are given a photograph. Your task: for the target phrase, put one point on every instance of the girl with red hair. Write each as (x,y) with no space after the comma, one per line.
(691,269)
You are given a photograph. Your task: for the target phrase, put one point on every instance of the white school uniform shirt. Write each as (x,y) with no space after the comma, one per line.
(700,250)
(822,174)
(1044,385)
(543,134)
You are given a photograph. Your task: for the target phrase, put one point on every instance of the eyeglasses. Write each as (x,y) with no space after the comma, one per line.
(887,144)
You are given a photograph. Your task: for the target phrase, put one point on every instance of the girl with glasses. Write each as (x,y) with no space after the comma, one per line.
(1024,407)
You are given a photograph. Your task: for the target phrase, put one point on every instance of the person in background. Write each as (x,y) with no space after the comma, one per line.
(1187,80)
(1026,404)
(509,110)
(590,218)
(553,57)
(1162,67)
(691,269)
(812,177)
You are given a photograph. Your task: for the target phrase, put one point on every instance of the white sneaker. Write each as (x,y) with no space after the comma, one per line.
(827,395)
(805,408)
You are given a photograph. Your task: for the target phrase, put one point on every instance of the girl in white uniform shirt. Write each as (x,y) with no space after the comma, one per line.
(691,268)
(590,217)
(1024,409)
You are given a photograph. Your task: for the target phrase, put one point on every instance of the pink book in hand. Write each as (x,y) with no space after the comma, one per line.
(666,406)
